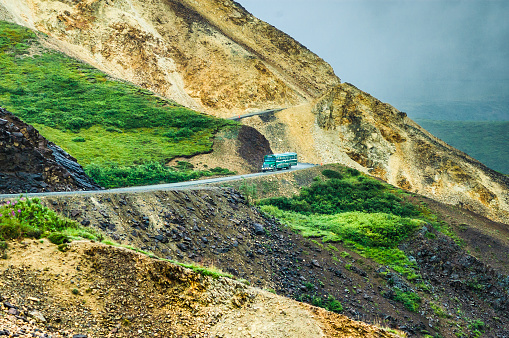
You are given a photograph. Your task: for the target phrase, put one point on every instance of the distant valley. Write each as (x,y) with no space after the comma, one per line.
(486,141)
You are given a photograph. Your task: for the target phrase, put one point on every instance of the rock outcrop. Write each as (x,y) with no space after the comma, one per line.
(29,163)
(351,127)
(389,145)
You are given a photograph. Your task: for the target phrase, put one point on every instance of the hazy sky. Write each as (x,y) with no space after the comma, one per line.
(403,50)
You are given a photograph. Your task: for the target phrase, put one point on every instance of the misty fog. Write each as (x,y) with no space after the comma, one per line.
(406,52)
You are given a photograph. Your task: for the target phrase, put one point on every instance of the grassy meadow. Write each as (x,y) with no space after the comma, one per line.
(98,120)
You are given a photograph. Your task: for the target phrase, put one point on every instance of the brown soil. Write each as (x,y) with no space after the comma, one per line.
(240,150)
(102,291)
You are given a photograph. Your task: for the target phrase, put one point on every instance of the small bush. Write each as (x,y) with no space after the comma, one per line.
(78,139)
(76,123)
(332,174)
(58,238)
(75,291)
(353,172)
(411,300)
(27,218)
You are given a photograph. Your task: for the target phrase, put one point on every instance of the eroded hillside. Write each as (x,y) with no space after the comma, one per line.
(351,127)
(93,290)
(210,55)
(454,286)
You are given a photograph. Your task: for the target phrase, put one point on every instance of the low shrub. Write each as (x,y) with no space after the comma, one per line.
(332,174)
(58,238)
(28,218)
(344,195)
(410,300)
(113,175)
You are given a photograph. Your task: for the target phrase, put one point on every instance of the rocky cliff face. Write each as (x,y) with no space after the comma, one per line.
(29,163)
(210,55)
(389,145)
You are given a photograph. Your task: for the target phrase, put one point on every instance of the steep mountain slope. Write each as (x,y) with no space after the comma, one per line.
(351,127)
(29,163)
(215,57)
(209,55)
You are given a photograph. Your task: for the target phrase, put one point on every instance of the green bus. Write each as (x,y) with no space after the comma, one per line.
(279,161)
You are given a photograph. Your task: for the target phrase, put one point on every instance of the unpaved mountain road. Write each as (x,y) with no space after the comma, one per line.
(269,111)
(167,186)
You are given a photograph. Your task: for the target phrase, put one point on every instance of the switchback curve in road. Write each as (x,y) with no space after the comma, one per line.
(161,187)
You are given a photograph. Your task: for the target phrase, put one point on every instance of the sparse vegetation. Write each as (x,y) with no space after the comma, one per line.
(28,218)
(411,300)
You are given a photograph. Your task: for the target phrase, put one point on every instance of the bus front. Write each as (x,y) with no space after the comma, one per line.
(269,163)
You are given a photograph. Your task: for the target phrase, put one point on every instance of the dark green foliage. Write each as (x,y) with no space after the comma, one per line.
(330,303)
(179,135)
(114,175)
(353,172)
(411,300)
(336,196)
(78,139)
(332,174)
(58,238)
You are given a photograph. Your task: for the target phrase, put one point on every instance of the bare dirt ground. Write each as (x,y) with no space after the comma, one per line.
(102,291)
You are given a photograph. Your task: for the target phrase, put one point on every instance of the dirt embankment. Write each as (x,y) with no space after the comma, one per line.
(240,150)
(217,227)
(93,290)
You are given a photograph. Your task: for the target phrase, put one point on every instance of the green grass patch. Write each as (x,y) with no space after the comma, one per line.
(410,300)
(94,118)
(351,192)
(28,218)
(112,175)
(374,236)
